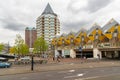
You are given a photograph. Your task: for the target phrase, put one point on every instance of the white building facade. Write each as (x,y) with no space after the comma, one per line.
(48,25)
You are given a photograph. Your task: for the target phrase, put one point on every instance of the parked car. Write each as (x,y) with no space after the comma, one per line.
(5,64)
(3,59)
(26,58)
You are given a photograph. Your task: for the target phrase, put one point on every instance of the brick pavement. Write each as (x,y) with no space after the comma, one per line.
(63,65)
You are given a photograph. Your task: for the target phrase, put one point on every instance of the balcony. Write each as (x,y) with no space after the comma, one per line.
(109,45)
(90,46)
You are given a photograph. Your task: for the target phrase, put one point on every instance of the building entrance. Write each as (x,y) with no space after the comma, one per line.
(87,54)
(111,55)
(60,53)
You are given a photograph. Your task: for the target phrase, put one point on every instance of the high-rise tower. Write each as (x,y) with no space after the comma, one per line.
(47,24)
(30,36)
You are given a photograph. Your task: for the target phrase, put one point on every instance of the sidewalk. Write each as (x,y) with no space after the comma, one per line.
(63,65)
(76,65)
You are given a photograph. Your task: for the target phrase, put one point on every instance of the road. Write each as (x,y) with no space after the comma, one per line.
(72,74)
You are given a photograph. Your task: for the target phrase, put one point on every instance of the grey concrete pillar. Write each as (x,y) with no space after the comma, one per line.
(97,52)
(72,53)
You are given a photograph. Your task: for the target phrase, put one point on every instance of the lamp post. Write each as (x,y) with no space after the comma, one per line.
(32,59)
(8,48)
(80,48)
(53,50)
(82,40)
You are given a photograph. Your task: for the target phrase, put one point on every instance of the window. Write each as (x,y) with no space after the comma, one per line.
(108,32)
(90,35)
(96,36)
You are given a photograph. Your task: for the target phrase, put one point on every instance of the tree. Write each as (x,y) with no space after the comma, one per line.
(20,47)
(1,47)
(40,45)
(12,50)
(24,49)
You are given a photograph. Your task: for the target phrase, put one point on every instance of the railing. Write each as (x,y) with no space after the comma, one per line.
(87,46)
(28,62)
(109,45)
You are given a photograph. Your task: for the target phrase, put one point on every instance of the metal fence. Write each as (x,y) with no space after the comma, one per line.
(28,62)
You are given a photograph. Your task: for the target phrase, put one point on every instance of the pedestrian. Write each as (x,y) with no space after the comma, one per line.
(58,58)
(84,58)
(98,56)
(53,58)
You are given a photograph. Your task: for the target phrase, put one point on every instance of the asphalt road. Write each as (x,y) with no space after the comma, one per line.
(74,74)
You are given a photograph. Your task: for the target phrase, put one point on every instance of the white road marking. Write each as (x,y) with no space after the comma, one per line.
(66,71)
(71,71)
(96,77)
(88,78)
(23,78)
(70,76)
(78,75)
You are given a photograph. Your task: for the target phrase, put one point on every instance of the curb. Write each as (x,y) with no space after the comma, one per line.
(38,70)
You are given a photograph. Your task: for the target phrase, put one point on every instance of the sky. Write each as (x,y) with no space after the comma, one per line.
(16,15)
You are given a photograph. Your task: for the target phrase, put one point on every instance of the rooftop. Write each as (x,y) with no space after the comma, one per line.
(30,28)
(48,10)
(110,23)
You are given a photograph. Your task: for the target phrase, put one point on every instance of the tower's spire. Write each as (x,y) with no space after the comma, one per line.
(48,10)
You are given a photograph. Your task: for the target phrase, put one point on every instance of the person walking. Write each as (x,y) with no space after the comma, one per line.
(53,58)
(58,58)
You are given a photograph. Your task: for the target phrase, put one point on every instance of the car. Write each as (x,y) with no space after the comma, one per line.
(5,64)
(3,59)
(26,58)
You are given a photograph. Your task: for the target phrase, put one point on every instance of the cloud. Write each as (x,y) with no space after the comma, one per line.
(95,5)
(75,6)
(90,6)
(12,24)
(74,26)
(73,14)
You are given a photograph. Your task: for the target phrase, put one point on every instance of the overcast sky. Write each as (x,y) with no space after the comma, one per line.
(16,15)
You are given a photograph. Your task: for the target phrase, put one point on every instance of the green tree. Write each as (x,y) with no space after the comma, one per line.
(12,50)
(20,47)
(1,47)
(40,45)
(24,49)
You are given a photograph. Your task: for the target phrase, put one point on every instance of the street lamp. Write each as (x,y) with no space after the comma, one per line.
(80,48)
(82,40)
(32,59)
(8,48)
(53,49)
